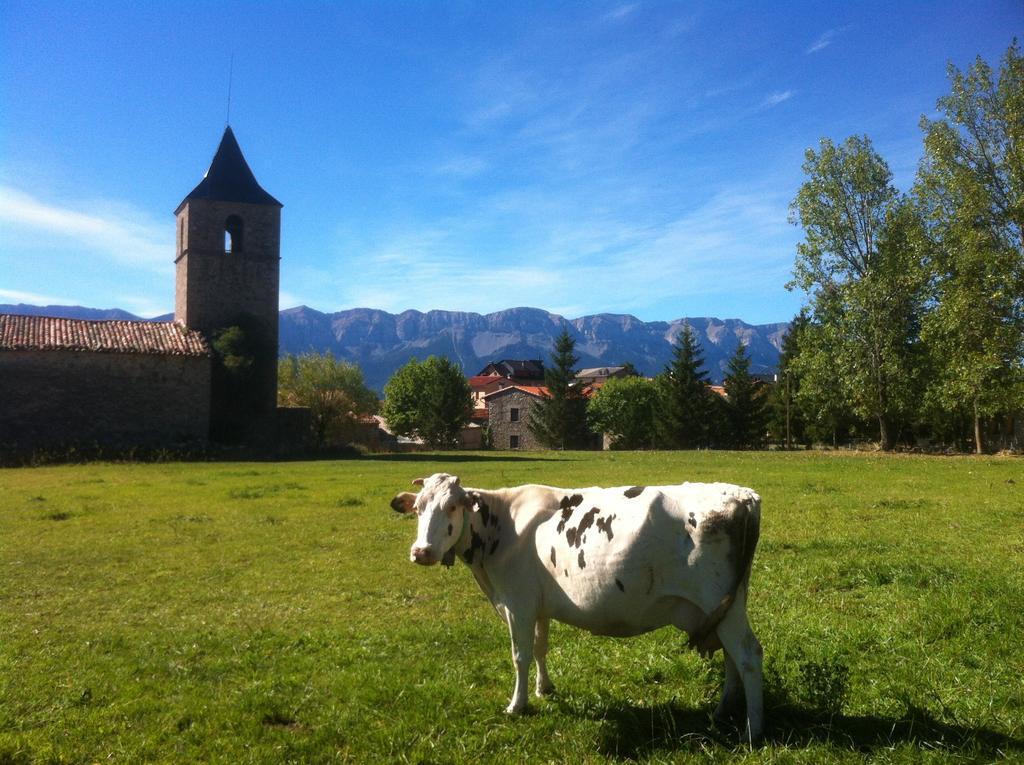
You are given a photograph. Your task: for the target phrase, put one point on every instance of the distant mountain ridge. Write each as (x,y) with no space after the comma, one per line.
(381,342)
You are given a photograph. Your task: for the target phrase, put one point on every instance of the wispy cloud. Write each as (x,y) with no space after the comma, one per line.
(462,167)
(825,39)
(573,262)
(621,12)
(34,298)
(776,98)
(124,235)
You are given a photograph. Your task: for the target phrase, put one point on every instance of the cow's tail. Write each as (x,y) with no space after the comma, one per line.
(746,531)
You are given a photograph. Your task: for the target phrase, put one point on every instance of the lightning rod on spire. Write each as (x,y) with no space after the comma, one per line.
(231,73)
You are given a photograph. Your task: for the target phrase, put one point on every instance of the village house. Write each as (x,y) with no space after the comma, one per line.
(508,411)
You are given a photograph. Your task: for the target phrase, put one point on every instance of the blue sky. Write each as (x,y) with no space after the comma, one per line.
(578,157)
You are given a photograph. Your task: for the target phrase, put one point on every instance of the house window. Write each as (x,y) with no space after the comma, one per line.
(232,235)
(513,414)
(513,442)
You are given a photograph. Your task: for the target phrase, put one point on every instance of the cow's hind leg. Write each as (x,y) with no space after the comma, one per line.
(732,691)
(744,651)
(540,651)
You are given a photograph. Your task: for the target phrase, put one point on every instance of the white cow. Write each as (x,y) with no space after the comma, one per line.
(616,562)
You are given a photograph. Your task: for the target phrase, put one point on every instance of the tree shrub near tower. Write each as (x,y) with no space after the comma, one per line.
(430,400)
(559,421)
(333,391)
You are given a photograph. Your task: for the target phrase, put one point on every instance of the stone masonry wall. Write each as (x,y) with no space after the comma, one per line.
(56,398)
(212,287)
(499,420)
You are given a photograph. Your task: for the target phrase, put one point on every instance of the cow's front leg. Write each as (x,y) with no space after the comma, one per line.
(521,630)
(540,650)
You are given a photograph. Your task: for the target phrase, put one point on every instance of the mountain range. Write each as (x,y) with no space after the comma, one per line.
(381,342)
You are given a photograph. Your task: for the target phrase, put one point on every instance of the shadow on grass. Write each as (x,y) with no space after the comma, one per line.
(633,732)
(442,457)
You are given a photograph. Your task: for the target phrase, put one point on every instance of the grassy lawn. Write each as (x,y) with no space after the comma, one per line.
(267,612)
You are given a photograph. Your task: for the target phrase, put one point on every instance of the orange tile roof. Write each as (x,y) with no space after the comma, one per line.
(539,391)
(47,333)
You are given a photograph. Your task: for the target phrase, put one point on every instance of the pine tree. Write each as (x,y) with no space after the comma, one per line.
(687,408)
(559,421)
(746,418)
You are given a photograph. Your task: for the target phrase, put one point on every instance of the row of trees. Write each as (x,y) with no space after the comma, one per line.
(678,409)
(432,400)
(916,301)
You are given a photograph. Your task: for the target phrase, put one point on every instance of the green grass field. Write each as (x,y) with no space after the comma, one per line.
(267,612)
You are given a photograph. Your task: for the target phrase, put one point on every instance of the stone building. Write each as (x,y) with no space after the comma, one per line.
(124,383)
(508,412)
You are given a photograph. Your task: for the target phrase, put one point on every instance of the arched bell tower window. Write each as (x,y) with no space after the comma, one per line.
(232,235)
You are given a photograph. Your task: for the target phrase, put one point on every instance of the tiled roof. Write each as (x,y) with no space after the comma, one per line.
(46,333)
(534,390)
(481,381)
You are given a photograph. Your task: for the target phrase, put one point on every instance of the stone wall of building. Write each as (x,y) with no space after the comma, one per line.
(508,428)
(213,286)
(62,398)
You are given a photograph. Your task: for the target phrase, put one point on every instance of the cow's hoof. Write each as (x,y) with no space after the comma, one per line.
(546,690)
(516,709)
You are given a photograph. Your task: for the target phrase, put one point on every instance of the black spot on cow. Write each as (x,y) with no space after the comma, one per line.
(552,556)
(494,546)
(567,504)
(566,512)
(605,525)
(580,561)
(693,520)
(565,572)
(575,536)
(485,512)
(635,491)
(620,585)
(476,543)
(450,529)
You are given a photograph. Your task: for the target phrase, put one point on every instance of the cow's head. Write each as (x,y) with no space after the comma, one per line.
(440,505)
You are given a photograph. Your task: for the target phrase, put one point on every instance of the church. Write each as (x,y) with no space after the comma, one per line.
(210,374)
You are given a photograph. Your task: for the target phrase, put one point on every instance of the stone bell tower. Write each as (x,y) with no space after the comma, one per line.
(228,233)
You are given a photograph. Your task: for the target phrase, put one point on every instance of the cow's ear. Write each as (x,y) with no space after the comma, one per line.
(404,502)
(472,501)
(417,481)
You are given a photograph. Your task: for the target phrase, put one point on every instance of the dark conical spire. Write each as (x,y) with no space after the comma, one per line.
(229,178)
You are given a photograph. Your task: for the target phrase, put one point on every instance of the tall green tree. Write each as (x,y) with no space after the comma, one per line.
(970,187)
(334,392)
(745,410)
(687,409)
(625,409)
(823,396)
(429,400)
(559,420)
(860,262)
